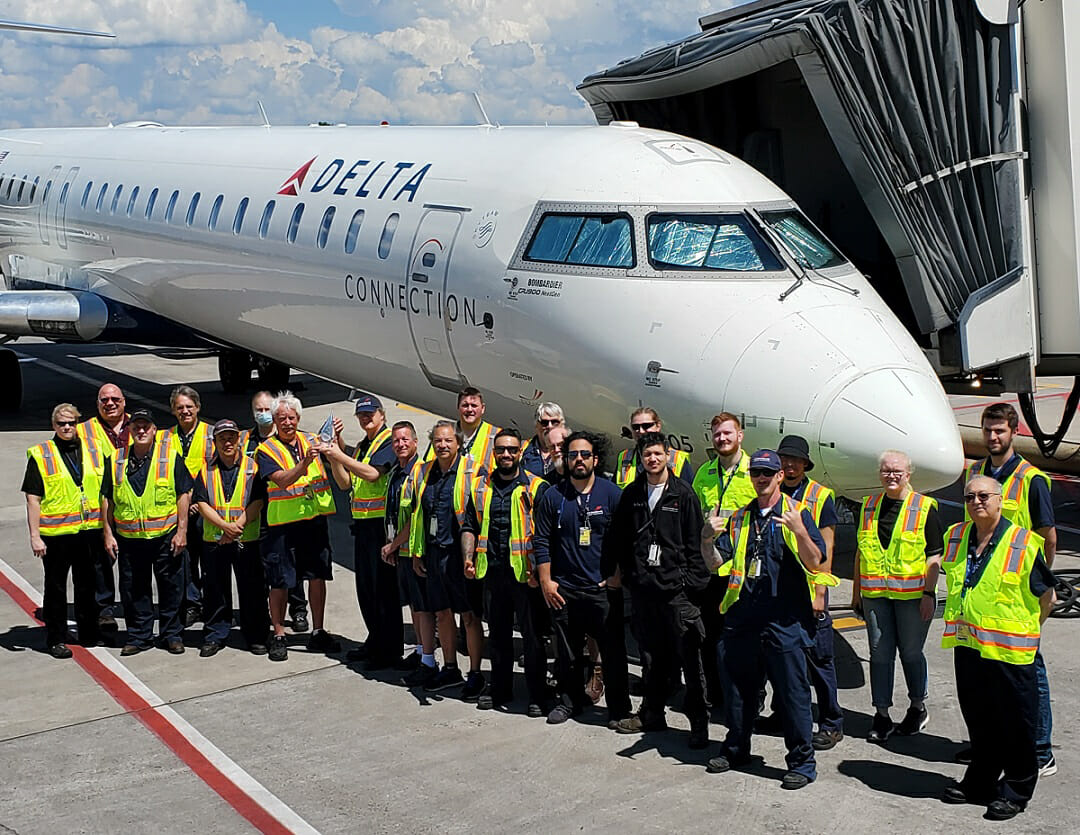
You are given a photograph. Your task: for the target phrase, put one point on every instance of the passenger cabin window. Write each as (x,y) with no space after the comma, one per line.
(33,190)
(386,240)
(324,227)
(192,206)
(238,220)
(169,209)
(116,199)
(150,203)
(264,224)
(215,210)
(22,186)
(131,200)
(354,230)
(724,243)
(586,240)
(100,196)
(85,194)
(10,186)
(809,247)
(294,222)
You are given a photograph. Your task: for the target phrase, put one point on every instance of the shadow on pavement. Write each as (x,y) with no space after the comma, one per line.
(896,779)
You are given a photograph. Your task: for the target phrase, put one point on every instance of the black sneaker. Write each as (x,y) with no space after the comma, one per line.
(279,648)
(358,653)
(963,756)
(485,702)
(60,651)
(409,663)
(192,615)
(722,763)
(133,649)
(107,623)
(175,646)
(209,649)
(474,686)
(420,677)
(914,721)
(446,678)
(826,740)
(1003,810)
(258,649)
(793,780)
(323,641)
(559,714)
(300,622)
(882,728)
(534,711)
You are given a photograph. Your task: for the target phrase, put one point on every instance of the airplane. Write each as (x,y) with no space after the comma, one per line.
(598,267)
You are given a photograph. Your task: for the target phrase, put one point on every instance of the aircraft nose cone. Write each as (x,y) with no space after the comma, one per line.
(893,408)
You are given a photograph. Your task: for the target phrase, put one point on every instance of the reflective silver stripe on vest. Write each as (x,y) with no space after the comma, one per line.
(992,637)
(1017,549)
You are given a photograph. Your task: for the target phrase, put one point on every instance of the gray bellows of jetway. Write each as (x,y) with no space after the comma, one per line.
(918,100)
(56,314)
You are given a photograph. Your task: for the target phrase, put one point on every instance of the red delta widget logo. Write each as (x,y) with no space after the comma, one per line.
(381,179)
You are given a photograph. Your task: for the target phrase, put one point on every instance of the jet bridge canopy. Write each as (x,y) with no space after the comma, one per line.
(893,123)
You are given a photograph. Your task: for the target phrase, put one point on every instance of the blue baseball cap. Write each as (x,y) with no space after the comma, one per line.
(765,459)
(368,403)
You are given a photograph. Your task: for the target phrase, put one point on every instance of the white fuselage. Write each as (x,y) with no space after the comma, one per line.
(450,299)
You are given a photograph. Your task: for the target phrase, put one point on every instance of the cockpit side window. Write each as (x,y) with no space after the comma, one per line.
(593,240)
(809,247)
(708,242)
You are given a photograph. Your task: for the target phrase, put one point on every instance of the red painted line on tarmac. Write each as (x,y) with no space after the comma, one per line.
(147,714)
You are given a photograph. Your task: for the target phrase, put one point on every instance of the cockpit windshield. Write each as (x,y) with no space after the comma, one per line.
(807,244)
(722,242)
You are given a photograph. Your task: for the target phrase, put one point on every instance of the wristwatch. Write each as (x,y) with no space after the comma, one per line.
(932,594)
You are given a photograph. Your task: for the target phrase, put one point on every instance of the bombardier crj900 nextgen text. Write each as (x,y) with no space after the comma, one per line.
(599,267)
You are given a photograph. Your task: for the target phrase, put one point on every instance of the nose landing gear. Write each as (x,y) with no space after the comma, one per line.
(235,367)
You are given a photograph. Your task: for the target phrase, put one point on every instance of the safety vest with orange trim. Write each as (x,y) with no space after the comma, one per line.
(418,532)
(522,502)
(154,513)
(230,508)
(92,433)
(369,497)
(404,513)
(201,450)
(814,497)
(481,448)
(306,498)
(899,571)
(66,507)
(1015,491)
(735,568)
(626,465)
(998,616)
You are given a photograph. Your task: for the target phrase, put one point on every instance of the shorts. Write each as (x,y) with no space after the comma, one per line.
(297,551)
(447,587)
(412,588)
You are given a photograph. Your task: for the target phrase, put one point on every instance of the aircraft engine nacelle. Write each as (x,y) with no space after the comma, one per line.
(54,314)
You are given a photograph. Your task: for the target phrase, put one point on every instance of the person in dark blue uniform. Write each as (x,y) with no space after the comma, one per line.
(572,520)
(770,549)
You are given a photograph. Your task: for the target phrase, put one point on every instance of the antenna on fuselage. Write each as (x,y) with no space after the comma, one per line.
(262,111)
(487,123)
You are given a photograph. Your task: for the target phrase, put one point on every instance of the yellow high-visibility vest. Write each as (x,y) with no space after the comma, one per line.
(738,490)
(522,502)
(231,507)
(201,451)
(626,465)
(369,497)
(899,571)
(66,507)
(462,484)
(1015,491)
(306,498)
(154,513)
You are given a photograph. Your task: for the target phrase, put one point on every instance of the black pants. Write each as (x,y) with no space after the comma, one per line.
(670,629)
(70,552)
(713,622)
(597,614)
(219,564)
(998,701)
(297,600)
(193,579)
(104,578)
(140,561)
(377,592)
(504,599)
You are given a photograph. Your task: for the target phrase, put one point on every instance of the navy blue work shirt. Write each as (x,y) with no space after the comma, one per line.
(1040,505)
(560,515)
(438,503)
(828,507)
(775,605)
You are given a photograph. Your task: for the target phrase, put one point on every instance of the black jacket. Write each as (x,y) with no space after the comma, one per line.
(675,525)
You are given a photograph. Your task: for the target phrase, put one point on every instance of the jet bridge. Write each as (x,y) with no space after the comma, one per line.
(923,138)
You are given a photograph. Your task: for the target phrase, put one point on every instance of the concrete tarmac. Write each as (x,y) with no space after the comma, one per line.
(349,751)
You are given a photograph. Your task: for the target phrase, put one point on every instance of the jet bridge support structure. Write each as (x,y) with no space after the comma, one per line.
(937,153)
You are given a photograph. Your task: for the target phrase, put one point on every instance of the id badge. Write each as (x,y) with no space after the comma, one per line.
(390,532)
(309,493)
(963,632)
(85,507)
(654,554)
(584,538)
(433,526)
(755,568)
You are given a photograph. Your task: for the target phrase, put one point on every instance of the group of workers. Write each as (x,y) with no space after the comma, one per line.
(728,569)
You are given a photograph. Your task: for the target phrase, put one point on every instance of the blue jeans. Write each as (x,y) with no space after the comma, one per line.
(893,625)
(1044,720)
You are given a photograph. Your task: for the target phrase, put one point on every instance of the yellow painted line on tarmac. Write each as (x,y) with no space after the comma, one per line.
(409,408)
(848,623)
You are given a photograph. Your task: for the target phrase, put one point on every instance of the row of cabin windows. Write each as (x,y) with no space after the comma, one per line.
(9,191)
(114,204)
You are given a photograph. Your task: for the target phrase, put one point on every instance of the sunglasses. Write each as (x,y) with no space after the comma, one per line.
(110,400)
(507,450)
(549,421)
(757,472)
(642,427)
(981,498)
(66,422)
(583,454)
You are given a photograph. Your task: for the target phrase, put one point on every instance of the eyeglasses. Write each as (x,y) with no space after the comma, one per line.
(66,422)
(507,450)
(981,498)
(549,421)
(894,473)
(757,472)
(642,427)
(583,454)
(110,400)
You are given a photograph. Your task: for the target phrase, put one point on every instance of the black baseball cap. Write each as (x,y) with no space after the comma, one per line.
(143,414)
(225,425)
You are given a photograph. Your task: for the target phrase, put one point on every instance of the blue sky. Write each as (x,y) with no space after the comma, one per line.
(354,61)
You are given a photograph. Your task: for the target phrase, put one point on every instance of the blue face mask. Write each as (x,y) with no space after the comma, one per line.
(264,418)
